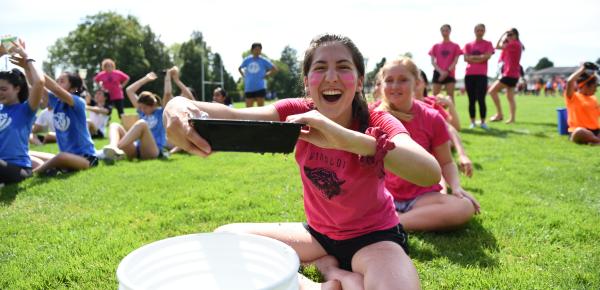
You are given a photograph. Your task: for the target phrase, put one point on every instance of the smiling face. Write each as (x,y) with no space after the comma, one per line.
(333,81)
(9,94)
(399,85)
(63,82)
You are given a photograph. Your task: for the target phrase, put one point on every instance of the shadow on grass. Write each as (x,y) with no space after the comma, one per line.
(8,193)
(469,246)
(503,133)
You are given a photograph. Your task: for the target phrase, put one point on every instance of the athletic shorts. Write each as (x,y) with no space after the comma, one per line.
(344,250)
(447,80)
(11,173)
(138,151)
(256,94)
(509,82)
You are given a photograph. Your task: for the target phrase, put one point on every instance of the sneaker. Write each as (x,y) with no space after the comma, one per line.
(472,126)
(1,185)
(484,126)
(111,154)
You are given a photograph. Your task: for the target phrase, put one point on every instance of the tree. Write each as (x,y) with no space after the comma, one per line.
(370,81)
(598,61)
(287,82)
(135,48)
(543,63)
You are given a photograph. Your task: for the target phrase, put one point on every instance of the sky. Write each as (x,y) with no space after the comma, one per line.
(567,32)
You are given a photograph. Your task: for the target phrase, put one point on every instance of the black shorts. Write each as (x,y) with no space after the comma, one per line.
(256,94)
(11,173)
(344,250)
(119,104)
(97,135)
(92,159)
(447,80)
(509,82)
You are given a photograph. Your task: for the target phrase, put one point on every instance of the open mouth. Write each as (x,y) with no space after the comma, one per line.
(332,95)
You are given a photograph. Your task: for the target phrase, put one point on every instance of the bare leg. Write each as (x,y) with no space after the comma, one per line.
(436,89)
(260,102)
(65,160)
(584,136)
(249,102)
(435,211)
(140,131)
(385,265)
(115,133)
(450,90)
(512,105)
(496,87)
(91,126)
(329,267)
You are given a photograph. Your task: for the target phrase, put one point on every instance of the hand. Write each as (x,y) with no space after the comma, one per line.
(461,193)
(179,133)
(444,101)
(465,165)
(174,71)
(19,61)
(321,132)
(151,76)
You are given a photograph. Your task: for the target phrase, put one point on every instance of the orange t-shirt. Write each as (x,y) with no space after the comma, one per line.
(583,111)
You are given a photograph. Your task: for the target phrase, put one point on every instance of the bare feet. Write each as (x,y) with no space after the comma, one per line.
(307,284)
(510,121)
(496,118)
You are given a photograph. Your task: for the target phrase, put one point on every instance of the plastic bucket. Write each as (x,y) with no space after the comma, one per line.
(211,261)
(562,121)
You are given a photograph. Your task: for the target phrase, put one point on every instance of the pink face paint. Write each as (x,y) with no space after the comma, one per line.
(315,78)
(348,79)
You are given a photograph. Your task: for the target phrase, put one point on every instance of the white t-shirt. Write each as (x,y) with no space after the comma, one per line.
(99,120)
(44,119)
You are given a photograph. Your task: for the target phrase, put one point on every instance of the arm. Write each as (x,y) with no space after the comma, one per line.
(185,91)
(96,109)
(447,103)
(453,64)
(272,71)
(179,110)
(131,89)
(241,71)
(34,78)
(464,161)
(501,42)
(58,91)
(572,81)
(434,64)
(126,81)
(168,88)
(449,171)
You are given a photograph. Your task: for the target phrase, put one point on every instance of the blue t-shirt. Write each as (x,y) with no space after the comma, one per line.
(155,124)
(254,75)
(15,126)
(72,134)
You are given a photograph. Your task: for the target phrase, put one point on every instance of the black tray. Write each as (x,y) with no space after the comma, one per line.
(248,136)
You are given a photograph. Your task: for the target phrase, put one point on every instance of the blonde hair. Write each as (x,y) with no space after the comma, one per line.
(414,72)
(107,61)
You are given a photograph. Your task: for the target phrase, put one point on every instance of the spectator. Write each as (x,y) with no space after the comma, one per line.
(254,69)
(444,56)
(113,81)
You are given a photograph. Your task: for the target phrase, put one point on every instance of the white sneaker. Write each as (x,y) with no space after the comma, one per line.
(1,185)
(472,126)
(111,154)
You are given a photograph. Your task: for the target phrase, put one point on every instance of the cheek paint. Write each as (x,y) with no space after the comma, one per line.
(348,79)
(314,79)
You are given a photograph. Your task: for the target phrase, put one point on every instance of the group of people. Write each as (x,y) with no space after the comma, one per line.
(370,172)
(445,55)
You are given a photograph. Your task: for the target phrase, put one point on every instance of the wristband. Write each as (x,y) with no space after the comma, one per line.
(382,146)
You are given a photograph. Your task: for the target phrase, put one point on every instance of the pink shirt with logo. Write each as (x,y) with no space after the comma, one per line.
(444,54)
(511,56)
(111,81)
(343,199)
(427,128)
(478,47)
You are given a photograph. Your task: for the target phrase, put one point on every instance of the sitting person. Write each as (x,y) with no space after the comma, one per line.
(99,111)
(43,131)
(146,138)
(582,106)
(220,96)
(423,208)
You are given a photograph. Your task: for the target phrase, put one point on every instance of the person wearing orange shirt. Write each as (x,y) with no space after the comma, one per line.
(582,105)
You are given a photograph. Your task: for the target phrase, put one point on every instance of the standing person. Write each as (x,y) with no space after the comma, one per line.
(444,56)
(72,135)
(18,104)
(477,54)
(350,215)
(146,139)
(510,57)
(113,81)
(254,69)
(582,106)
(423,208)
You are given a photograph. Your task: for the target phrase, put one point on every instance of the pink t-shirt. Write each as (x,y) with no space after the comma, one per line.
(444,54)
(427,128)
(342,198)
(431,101)
(477,48)
(111,81)
(511,56)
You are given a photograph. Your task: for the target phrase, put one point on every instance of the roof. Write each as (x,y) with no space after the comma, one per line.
(561,70)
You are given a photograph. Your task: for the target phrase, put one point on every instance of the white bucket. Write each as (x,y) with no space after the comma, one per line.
(211,261)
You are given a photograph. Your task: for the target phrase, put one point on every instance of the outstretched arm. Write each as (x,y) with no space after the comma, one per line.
(34,78)
(185,91)
(572,81)
(133,88)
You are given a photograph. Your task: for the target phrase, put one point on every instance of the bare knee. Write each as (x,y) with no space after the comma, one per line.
(140,123)
(463,211)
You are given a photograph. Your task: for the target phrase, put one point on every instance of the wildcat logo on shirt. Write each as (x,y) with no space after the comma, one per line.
(5,121)
(325,180)
(253,67)
(445,53)
(61,121)
(151,121)
(476,52)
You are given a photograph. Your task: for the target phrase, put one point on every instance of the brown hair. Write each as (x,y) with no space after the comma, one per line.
(149,99)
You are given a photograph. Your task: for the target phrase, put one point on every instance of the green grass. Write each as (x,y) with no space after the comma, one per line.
(538,228)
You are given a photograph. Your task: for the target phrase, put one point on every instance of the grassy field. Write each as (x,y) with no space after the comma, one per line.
(538,229)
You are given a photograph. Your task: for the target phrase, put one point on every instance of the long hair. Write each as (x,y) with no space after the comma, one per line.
(16,78)
(414,71)
(360,109)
